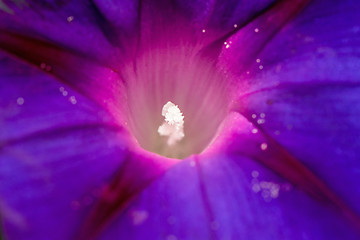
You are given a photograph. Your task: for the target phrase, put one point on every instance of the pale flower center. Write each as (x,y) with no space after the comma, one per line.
(176,101)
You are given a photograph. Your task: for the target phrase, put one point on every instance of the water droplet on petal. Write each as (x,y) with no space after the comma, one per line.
(138,217)
(171,237)
(261,121)
(263,146)
(72,99)
(70,18)
(20,101)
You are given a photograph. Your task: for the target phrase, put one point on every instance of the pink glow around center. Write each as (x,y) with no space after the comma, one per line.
(179,76)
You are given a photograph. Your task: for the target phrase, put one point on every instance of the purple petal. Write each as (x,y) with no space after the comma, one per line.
(57,149)
(241,50)
(302,90)
(135,174)
(227,198)
(208,210)
(57,152)
(33,101)
(93,79)
(224,15)
(76,25)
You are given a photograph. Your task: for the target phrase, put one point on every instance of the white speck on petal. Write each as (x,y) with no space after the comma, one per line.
(171,237)
(70,18)
(72,99)
(256,188)
(138,217)
(261,121)
(263,146)
(268,190)
(20,101)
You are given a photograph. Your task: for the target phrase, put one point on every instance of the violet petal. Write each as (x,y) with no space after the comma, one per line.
(58,151)
(303,92)
(66,23)
(216,198)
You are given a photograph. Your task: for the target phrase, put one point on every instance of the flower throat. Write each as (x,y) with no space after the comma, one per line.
(176,101)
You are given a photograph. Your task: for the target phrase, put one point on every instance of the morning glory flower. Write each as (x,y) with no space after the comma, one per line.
(179,119)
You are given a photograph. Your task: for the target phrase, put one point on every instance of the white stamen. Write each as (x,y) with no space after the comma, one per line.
(173,126)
